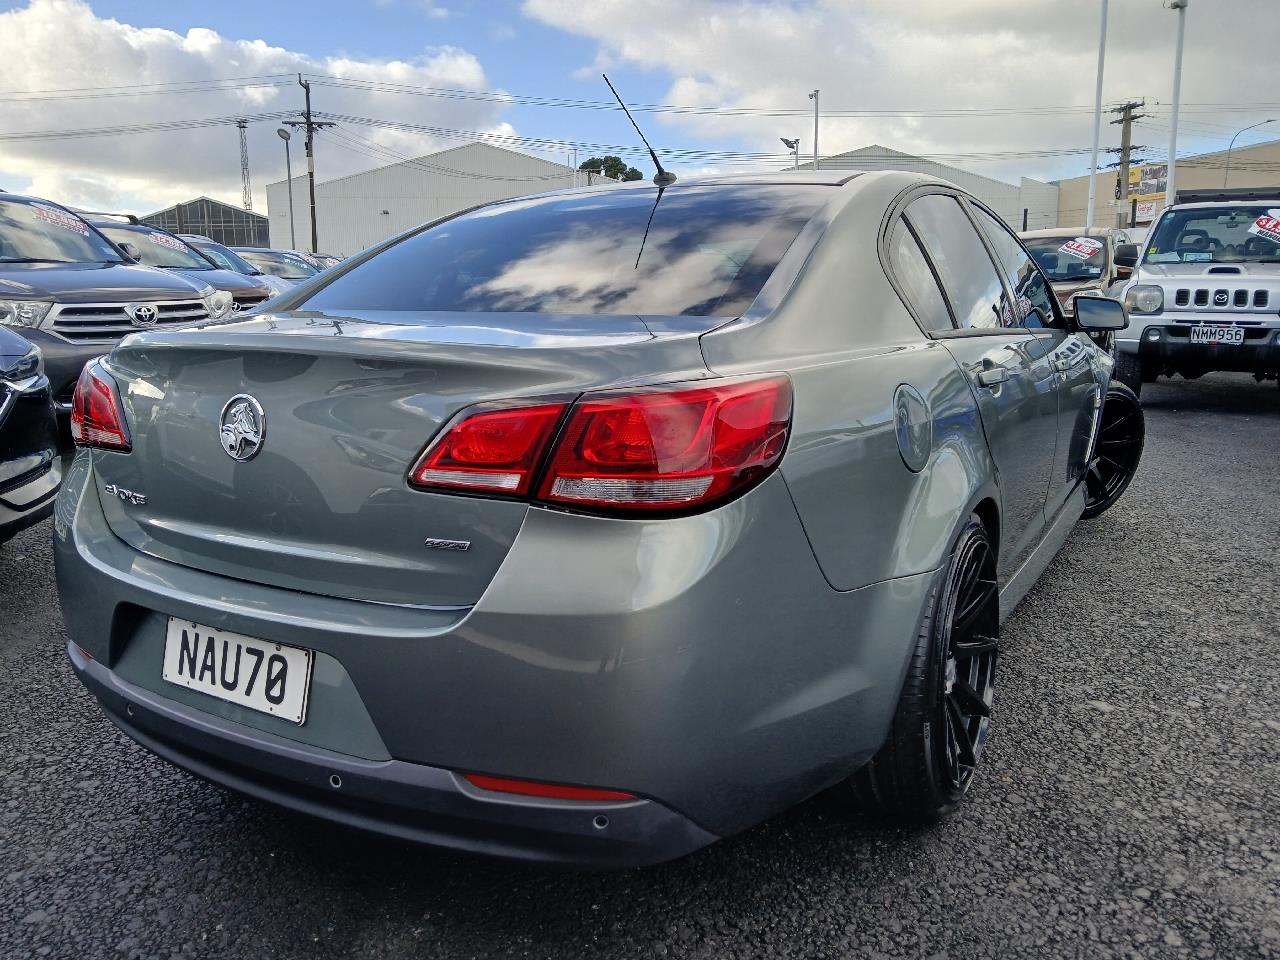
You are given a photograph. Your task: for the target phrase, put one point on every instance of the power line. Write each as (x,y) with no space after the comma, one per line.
(144,90)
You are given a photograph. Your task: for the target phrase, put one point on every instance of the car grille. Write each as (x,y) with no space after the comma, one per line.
(247,301)
(111,321)
(1222,298)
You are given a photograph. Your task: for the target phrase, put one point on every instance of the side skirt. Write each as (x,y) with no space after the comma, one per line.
(1055,536)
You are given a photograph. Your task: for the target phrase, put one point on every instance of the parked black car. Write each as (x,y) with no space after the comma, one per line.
(30,468)
(67,289)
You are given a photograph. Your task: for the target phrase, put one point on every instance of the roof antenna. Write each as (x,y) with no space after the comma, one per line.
(662,178)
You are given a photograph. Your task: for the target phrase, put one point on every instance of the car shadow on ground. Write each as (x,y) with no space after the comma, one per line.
(1210,395)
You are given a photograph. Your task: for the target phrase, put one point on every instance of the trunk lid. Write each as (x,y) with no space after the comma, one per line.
(349,402)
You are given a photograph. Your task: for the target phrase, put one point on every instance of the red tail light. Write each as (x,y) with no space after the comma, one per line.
(668,449)
(96,417)
(490,450)
(656,449)
(532,788)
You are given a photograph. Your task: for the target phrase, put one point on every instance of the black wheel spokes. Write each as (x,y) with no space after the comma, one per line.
(1116,456)
(971,657)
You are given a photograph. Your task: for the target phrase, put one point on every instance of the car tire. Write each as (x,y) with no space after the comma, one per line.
(1128,371)
(1122,432)
(923,770)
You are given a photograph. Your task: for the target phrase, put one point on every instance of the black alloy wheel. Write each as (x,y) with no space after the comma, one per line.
(969,671)
(943,719)
(1117,451)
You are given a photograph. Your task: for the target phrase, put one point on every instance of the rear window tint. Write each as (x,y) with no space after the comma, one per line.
(699,251)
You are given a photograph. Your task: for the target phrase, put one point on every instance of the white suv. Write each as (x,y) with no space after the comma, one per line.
(1206,293)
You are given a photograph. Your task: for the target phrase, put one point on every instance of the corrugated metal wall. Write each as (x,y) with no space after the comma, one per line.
(357,211)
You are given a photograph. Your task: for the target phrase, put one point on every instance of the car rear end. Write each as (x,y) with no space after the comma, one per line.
(517,580)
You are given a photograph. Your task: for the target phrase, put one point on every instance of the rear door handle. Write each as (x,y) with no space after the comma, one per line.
(993,375)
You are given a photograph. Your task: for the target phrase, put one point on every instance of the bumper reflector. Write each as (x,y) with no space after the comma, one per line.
(552,791)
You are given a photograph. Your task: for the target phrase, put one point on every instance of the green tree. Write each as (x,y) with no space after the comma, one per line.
(611,166)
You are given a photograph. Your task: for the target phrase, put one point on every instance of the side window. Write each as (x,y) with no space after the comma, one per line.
(968,276)
(1030,288)
(918,283)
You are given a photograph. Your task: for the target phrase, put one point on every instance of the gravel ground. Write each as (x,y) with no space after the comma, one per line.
(1129,805)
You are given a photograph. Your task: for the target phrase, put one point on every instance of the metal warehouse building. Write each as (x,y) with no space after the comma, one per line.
(214,219)
(357,211)
(1027,205)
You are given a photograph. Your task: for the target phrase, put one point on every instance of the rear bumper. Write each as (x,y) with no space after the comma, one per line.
(408,801)
(1164,343)
(701,663)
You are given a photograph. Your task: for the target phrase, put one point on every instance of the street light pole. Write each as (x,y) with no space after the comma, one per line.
(814,97)
(283,134)
(1097,118)
(1231,145)
(1170,195)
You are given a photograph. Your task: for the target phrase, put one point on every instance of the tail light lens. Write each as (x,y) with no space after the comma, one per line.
(490,450)
(669,449)
(96,416)
(658,449)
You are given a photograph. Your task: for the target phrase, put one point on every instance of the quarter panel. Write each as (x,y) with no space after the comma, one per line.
(844,336)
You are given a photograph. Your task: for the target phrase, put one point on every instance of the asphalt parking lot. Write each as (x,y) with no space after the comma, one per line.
(1129,806)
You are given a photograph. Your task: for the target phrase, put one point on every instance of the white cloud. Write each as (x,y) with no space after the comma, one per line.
(930,54)
(62,44)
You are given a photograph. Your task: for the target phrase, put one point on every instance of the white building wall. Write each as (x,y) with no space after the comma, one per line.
(1040,200)
(355,212)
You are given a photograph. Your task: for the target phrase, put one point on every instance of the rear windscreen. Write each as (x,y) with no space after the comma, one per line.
(696,251)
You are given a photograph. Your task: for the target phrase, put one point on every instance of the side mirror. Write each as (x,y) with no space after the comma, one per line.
(1099,313)
(130,251)
(1126,256)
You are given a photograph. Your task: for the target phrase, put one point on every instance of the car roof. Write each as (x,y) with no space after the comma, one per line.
(1218,204)
(1071,232)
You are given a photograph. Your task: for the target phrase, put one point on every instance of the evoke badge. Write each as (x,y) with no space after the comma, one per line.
(128,496)
(242,428)
(434,543)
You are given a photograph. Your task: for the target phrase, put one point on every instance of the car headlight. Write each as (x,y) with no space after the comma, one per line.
(23,313)
(218,304)
(31,365)
(1144,298)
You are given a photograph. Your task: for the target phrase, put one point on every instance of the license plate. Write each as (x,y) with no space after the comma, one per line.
(257,674)
(1228,336)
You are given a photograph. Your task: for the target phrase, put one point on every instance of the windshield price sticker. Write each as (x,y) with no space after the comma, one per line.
(1267,226)
(61,218)
(1081,247)
(164,240)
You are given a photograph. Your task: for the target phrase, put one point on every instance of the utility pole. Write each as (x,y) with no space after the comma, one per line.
(814,97)
(1181,6)
(311,126)
(247,199)
(1097,119)
(1127,117)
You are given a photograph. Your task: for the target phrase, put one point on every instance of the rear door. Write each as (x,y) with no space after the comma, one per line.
(1009,368)
(1070,354)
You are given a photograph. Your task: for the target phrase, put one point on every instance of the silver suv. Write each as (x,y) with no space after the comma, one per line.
(1206,294)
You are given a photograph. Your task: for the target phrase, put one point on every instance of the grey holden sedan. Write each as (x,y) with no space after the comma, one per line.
(595,526)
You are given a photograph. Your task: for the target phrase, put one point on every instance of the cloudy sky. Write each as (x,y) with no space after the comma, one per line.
(1002,87)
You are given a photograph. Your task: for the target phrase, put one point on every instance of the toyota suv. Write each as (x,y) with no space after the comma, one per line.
(1206,294)
(71,292)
